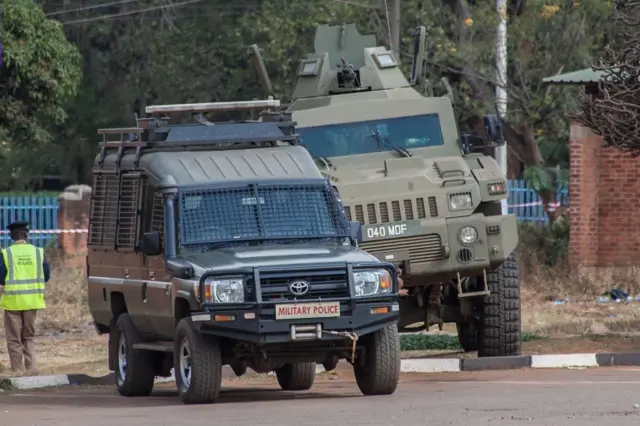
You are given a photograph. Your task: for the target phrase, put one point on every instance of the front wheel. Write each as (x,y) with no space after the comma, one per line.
(134,368)
(499,326)
(380,372)
(197,365)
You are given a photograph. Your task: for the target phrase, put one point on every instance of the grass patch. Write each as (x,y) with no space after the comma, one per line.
(442,342)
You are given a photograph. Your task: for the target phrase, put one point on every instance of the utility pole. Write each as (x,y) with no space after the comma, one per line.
(395,28)
(501,84)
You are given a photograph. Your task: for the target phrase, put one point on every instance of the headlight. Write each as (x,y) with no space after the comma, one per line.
(460,201)
(468,235)
(368,283)
(222,291)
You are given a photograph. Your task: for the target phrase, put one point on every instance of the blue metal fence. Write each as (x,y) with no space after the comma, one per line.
(42,212)
(526,204)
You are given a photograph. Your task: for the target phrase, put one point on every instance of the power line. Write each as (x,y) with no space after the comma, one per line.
(132,12)
(95,6)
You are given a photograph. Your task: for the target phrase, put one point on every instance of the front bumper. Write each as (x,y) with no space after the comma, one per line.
(255,320)
(436,254)
(259,326)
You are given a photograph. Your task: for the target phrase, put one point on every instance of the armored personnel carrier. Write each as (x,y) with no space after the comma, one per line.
(429,200)
(220,243)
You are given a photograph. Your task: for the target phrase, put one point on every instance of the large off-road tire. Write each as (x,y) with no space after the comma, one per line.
(296,377)
(134,368)
(197,364)
(499,325)
(380,373)
(468,336)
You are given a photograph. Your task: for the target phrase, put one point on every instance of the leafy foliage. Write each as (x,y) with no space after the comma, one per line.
(613,112)
(170,53)
(40,74)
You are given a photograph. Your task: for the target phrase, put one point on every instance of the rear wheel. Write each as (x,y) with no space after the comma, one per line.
(197,365)
(296,377)
(380,372)
(134,369)
(499,326)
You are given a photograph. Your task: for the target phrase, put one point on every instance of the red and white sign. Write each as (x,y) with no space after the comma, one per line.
(308,310)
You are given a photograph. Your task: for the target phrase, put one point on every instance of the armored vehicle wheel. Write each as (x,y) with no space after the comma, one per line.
(468,336)
(296,377)
(380,372)
(499,326)
(134,370)
(197,365)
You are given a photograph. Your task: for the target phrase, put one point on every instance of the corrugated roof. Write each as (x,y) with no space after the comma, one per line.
(586,75)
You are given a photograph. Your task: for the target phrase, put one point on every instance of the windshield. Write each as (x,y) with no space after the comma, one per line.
(256,212)
(335,140)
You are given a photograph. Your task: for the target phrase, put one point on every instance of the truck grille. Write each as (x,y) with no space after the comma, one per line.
(422,248)
(275,286)
(393,211)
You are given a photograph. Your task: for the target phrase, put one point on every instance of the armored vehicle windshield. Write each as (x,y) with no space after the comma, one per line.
(365,137)
(253,213)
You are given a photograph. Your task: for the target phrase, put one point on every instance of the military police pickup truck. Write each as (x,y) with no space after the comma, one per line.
(221,243)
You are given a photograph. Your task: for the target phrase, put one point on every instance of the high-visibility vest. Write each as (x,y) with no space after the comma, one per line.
(24,282)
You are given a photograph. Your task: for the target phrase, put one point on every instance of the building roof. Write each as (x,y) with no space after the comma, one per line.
(583,76)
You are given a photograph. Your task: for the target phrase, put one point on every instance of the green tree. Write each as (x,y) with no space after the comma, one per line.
(40,74)
(544,37)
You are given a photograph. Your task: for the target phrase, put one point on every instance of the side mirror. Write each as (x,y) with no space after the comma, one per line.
(494,127)
(179,268)
(355,231)
(151,245)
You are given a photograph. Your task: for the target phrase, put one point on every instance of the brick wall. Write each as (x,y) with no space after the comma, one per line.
(604,188)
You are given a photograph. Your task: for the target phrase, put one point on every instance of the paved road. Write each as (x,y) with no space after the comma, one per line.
(528,397)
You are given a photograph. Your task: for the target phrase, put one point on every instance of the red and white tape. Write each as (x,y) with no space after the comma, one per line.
(537,203)
(53,231)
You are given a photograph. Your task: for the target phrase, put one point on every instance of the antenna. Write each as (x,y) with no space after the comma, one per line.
(213,106)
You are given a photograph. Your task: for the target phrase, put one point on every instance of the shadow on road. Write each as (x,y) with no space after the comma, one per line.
(104,397)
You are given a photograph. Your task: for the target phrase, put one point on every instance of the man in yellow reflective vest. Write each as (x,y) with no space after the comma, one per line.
(23,274)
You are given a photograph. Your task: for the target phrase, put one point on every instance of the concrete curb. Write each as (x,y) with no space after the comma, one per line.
(410,365)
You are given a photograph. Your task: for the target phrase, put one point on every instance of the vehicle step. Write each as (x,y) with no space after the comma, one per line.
(155,346)
(474,294)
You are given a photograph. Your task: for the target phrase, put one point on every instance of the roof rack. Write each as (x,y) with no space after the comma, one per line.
(156,133)
(213,106)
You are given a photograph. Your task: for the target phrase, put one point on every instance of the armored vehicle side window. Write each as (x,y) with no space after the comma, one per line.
(260,212)
(336,140)
(114,214)
(157,216)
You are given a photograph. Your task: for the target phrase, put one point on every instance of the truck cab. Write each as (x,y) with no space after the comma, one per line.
(220,243)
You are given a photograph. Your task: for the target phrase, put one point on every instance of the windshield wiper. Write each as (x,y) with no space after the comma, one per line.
(219,245)
(325,161)
(384,141)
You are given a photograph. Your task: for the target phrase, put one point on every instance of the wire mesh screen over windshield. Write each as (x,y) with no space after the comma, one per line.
(260,212)
(335,140)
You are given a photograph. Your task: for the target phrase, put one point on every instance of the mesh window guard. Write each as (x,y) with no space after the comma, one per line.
(253,212)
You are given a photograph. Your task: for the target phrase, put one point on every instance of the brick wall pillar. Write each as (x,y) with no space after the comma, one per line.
(584,177)
(73,215)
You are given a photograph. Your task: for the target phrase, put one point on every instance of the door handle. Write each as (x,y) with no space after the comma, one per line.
(126,273)
(167,289)
(152,275)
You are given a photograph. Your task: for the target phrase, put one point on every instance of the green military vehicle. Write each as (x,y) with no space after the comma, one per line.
(429,199)
(220,243)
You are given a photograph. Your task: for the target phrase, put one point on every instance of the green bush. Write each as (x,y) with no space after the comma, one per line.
(442,342)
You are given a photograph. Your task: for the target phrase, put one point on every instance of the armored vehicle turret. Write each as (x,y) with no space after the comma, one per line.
(220,243)
(429,200)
